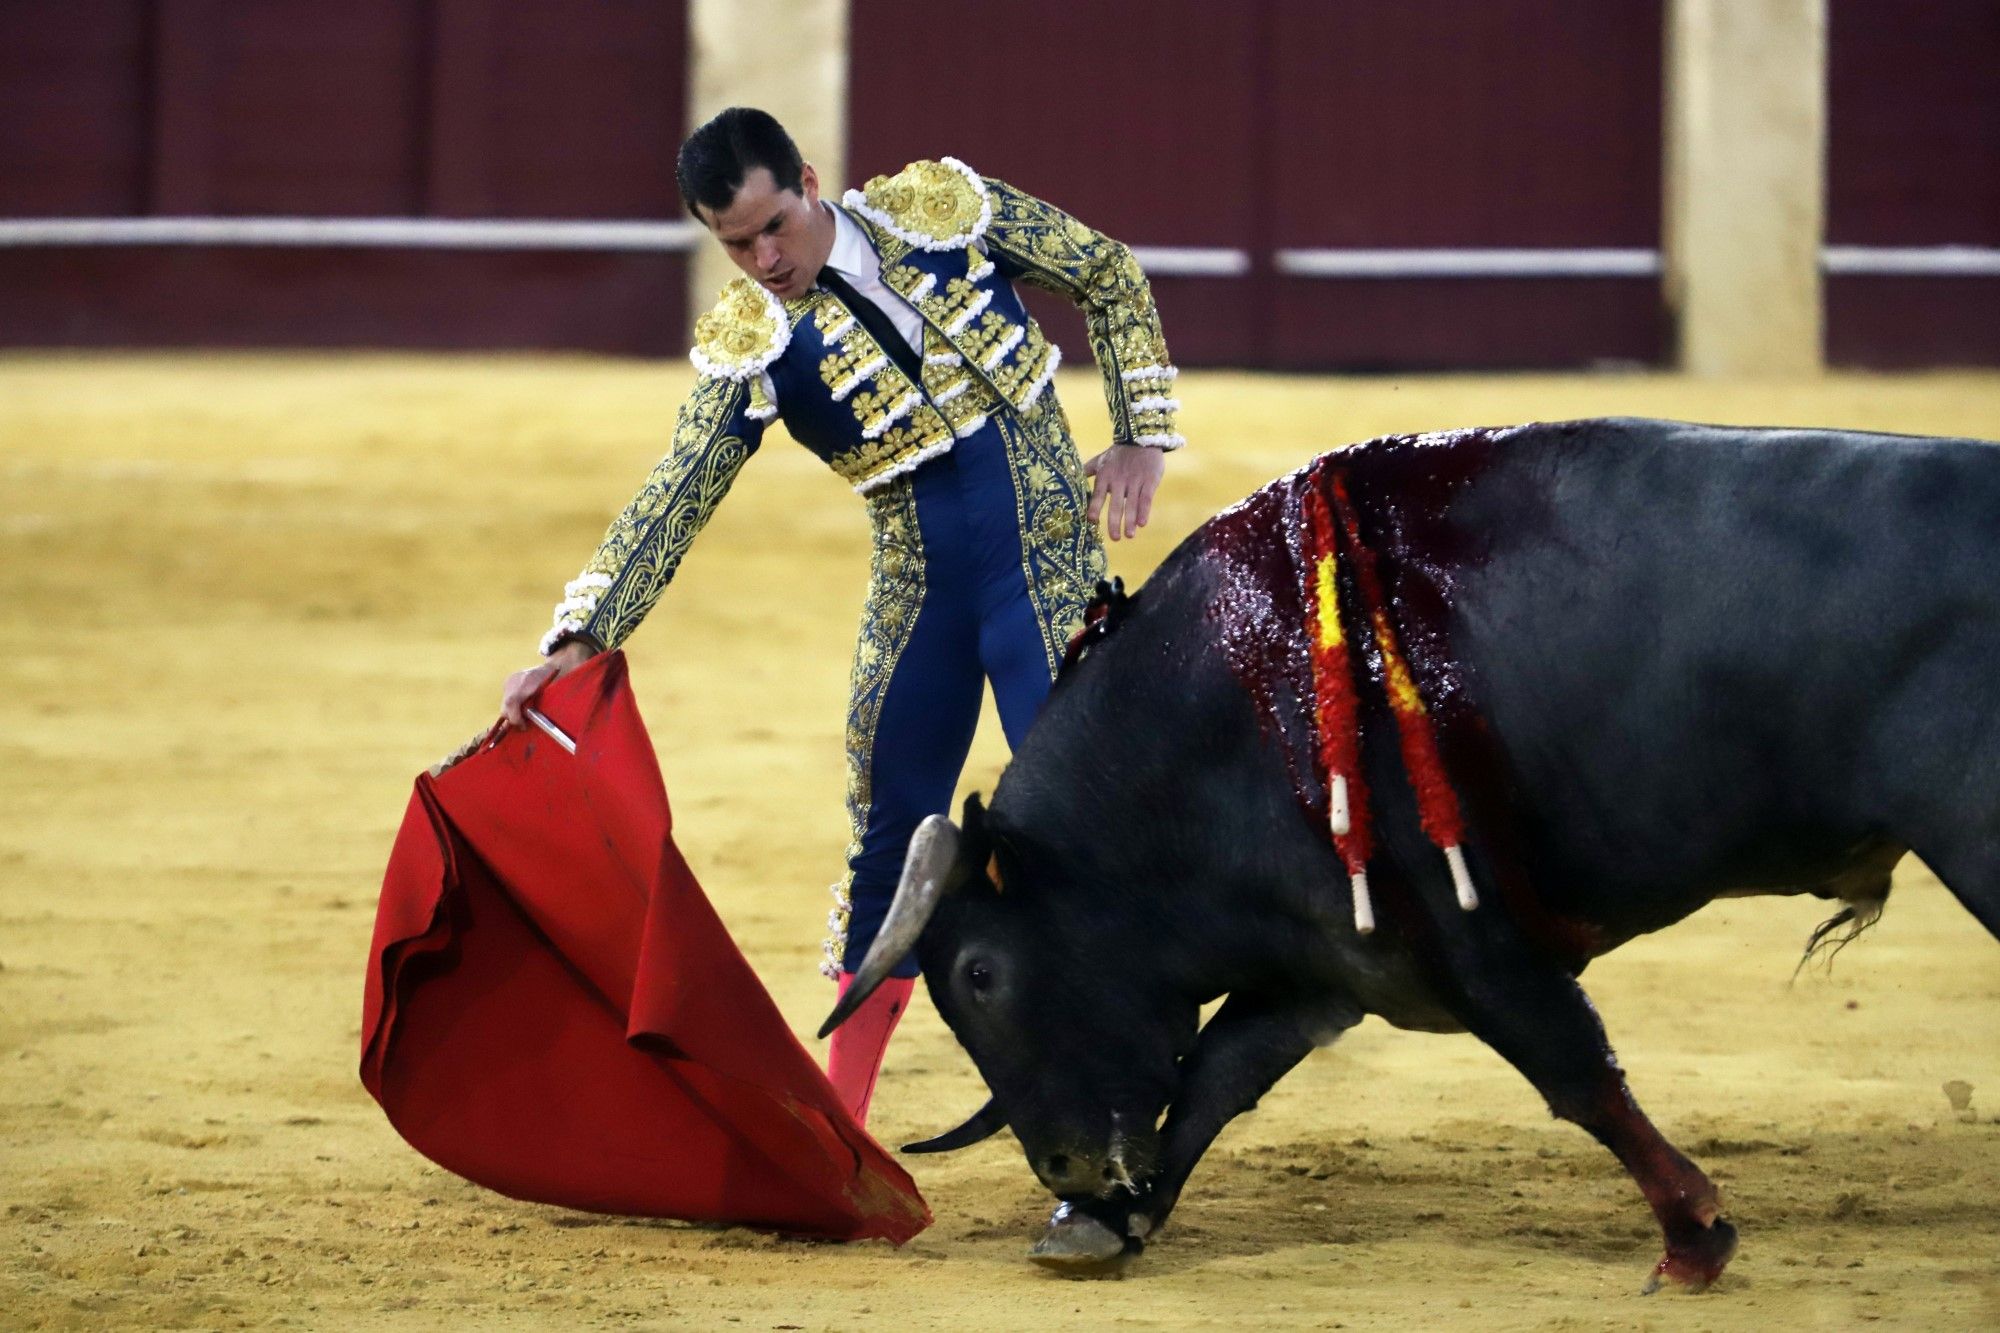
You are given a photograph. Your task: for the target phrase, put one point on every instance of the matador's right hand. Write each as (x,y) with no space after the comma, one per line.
(524,685)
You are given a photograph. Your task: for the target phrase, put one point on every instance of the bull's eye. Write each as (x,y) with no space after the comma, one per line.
(980,977)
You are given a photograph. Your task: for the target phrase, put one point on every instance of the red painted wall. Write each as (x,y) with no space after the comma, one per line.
(1136,115)
(1913,158)
(73,108)
(454,108)
(1270,123)
(1533,123)
(1253,125)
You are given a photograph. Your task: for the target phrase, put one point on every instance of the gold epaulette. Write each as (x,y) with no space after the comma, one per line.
(939,205)
(742,335)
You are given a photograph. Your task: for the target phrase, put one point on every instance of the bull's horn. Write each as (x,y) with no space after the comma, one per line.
(933,848)
(985,1123)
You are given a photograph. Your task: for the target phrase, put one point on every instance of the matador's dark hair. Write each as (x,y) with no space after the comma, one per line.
(715,158)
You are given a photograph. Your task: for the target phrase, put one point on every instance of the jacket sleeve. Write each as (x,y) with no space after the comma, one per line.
(1039,244)
(716,434)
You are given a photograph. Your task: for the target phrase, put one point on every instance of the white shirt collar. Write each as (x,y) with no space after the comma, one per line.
(851,253)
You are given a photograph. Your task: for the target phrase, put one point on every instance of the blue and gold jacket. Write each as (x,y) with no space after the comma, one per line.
(952,244)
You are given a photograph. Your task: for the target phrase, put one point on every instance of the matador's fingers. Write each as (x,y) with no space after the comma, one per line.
(522,687)
(1144,506)
(1114,524)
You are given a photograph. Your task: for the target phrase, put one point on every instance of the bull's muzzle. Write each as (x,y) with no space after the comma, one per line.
(1124,1164)
(1078,1175)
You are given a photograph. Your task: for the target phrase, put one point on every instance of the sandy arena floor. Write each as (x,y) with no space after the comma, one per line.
(249,598)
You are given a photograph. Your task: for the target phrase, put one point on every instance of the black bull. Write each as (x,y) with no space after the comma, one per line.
(1663,663)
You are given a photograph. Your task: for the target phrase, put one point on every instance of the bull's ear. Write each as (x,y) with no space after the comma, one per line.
(978,860)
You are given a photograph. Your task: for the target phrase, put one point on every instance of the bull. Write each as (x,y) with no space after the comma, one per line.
(1658,663)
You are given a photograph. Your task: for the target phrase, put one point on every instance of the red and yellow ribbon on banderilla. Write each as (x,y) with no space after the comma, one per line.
(1330,524)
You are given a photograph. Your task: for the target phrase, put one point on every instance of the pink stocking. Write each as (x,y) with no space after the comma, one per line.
(854,1056)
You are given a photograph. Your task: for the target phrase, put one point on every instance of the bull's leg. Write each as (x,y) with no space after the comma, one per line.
(1936,764)
(1250,1043)
(1539,1019)
(1973,876)
(1967,860)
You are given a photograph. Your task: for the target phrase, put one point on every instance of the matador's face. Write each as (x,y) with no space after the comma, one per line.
(781,238)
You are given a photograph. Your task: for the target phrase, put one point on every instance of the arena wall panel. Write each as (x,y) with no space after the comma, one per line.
(291,108)
(1308,123)
(1530,124)
(1138,116)
(248,297)
(1247,132)
(536,114)
(364,109)
(73,108)
(1914,160)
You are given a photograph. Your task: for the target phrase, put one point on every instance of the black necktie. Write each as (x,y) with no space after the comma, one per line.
(877,323)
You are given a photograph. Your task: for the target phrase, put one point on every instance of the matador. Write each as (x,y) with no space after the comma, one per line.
(887,334)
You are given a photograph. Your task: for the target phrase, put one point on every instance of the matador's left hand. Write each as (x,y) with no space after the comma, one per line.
(1125,476)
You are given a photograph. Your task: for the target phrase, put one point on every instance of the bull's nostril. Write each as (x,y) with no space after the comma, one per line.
(1057,1164)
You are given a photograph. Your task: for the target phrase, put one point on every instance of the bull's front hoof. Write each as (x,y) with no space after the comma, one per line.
(1695,1263)
(1079,1245)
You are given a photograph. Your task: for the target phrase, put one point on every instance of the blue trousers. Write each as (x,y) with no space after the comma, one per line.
(982,565)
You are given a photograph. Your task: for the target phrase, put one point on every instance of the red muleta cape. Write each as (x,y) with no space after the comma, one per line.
(554,1011)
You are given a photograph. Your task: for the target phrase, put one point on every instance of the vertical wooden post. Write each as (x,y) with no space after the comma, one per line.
(1746,183)
(788,57)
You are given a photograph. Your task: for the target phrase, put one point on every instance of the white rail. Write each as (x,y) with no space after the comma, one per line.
(1159,260)
(1192,261)
(396,233)
(1469,263)
(1915,261)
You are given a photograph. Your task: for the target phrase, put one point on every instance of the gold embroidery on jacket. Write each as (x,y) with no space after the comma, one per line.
(933,204)
(878,393)
(1056,252)
(1024,375)
(923,429)
(855,358)
(745,331)
(644,545)
(952,308)
(988,338)
(832,319)
(976,358)
(888,400)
